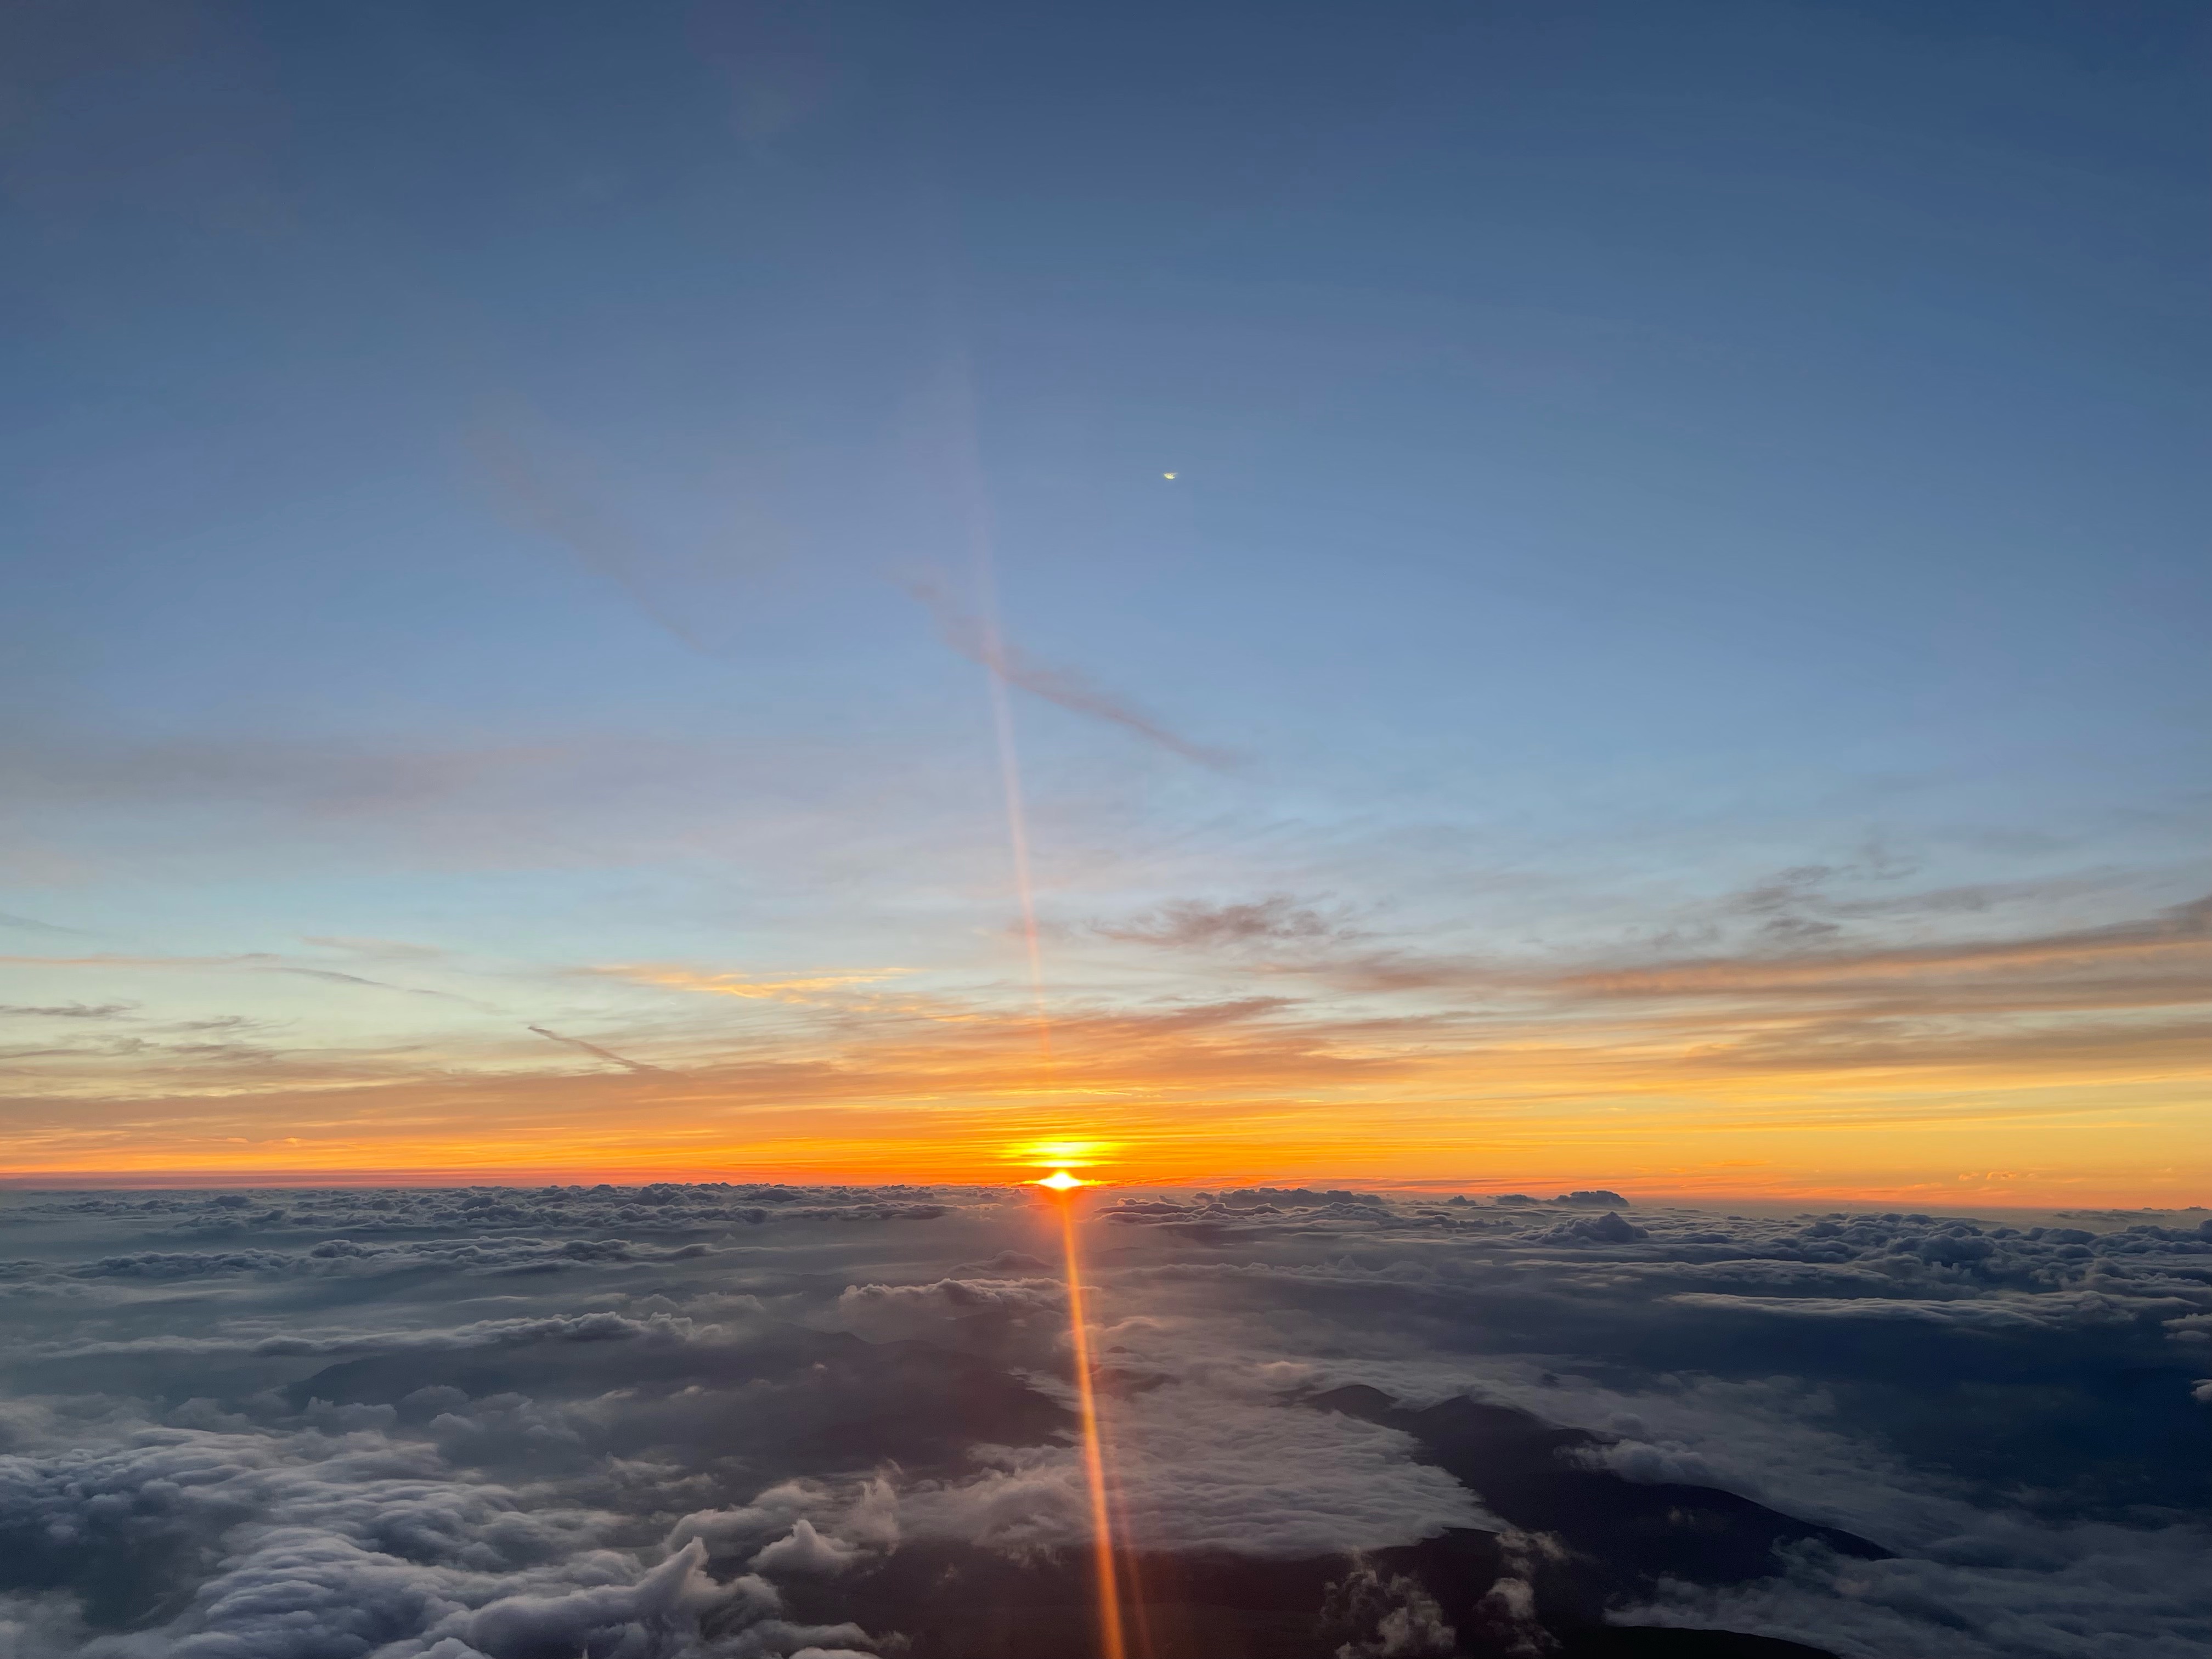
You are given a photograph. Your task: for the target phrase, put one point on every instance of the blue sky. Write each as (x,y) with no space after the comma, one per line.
(1649,483)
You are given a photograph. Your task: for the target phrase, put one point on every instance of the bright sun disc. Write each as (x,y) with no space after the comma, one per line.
(1060,1181)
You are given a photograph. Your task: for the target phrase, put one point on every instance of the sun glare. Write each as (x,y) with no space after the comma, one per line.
(1060,1181)
(1051,1155)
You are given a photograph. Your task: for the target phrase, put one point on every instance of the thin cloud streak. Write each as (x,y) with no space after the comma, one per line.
(797,989)
(1194,924)
(388,949)
(2180,932)
(250,961)
(1065,688)
(1453,1064)
(607,1055)
(1266,1070)
(32,925)
(540,502)
(2164,960)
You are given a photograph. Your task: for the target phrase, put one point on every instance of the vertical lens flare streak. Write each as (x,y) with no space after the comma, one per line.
(1063,1185)
(981,537)
(1018,831)
(1111,1642)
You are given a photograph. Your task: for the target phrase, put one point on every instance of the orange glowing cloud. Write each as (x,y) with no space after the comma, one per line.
(802,988)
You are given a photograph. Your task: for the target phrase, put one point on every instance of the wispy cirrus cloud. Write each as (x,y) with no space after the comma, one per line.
(554,500)
(1197,924)
(985,644)
(1195,1089)
(1352,1052)
(2160,960)
(75,770)
(381,949)
(32,925)
(593,1049)
(2150,961)
(248,961)
(794,987)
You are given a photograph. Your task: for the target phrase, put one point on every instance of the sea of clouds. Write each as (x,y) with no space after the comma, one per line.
(642,1422)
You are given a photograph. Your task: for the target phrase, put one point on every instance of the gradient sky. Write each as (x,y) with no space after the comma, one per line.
(1672,656)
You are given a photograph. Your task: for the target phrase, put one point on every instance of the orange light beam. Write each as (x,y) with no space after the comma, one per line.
(1111,1644)
(1061,1183)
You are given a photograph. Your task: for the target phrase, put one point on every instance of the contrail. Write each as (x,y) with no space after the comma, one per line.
(980,639)
(260,961)
(594,1048)
(543,501)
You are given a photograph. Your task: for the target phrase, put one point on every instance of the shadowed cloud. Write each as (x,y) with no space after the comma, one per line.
(1193,923)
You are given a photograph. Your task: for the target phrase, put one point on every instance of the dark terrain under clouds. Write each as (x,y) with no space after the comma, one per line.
(715,1420)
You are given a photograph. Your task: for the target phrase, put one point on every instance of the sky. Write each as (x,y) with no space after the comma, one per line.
(1479,596)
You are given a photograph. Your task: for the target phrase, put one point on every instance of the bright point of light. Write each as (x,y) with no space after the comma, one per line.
(1169,476)
(1060,1181)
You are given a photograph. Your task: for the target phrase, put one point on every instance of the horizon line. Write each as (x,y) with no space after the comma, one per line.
(215,1180)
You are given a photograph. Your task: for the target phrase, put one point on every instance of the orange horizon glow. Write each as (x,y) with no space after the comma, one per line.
(2024,1074)
(2128,1145)
(2129,1148)
(1989,1192)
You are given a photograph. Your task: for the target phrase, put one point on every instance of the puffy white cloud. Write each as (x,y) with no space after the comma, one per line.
(803,1550)
(677,1590)
(1392,1618)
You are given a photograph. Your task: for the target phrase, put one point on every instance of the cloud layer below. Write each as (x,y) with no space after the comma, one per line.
(739,1421)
